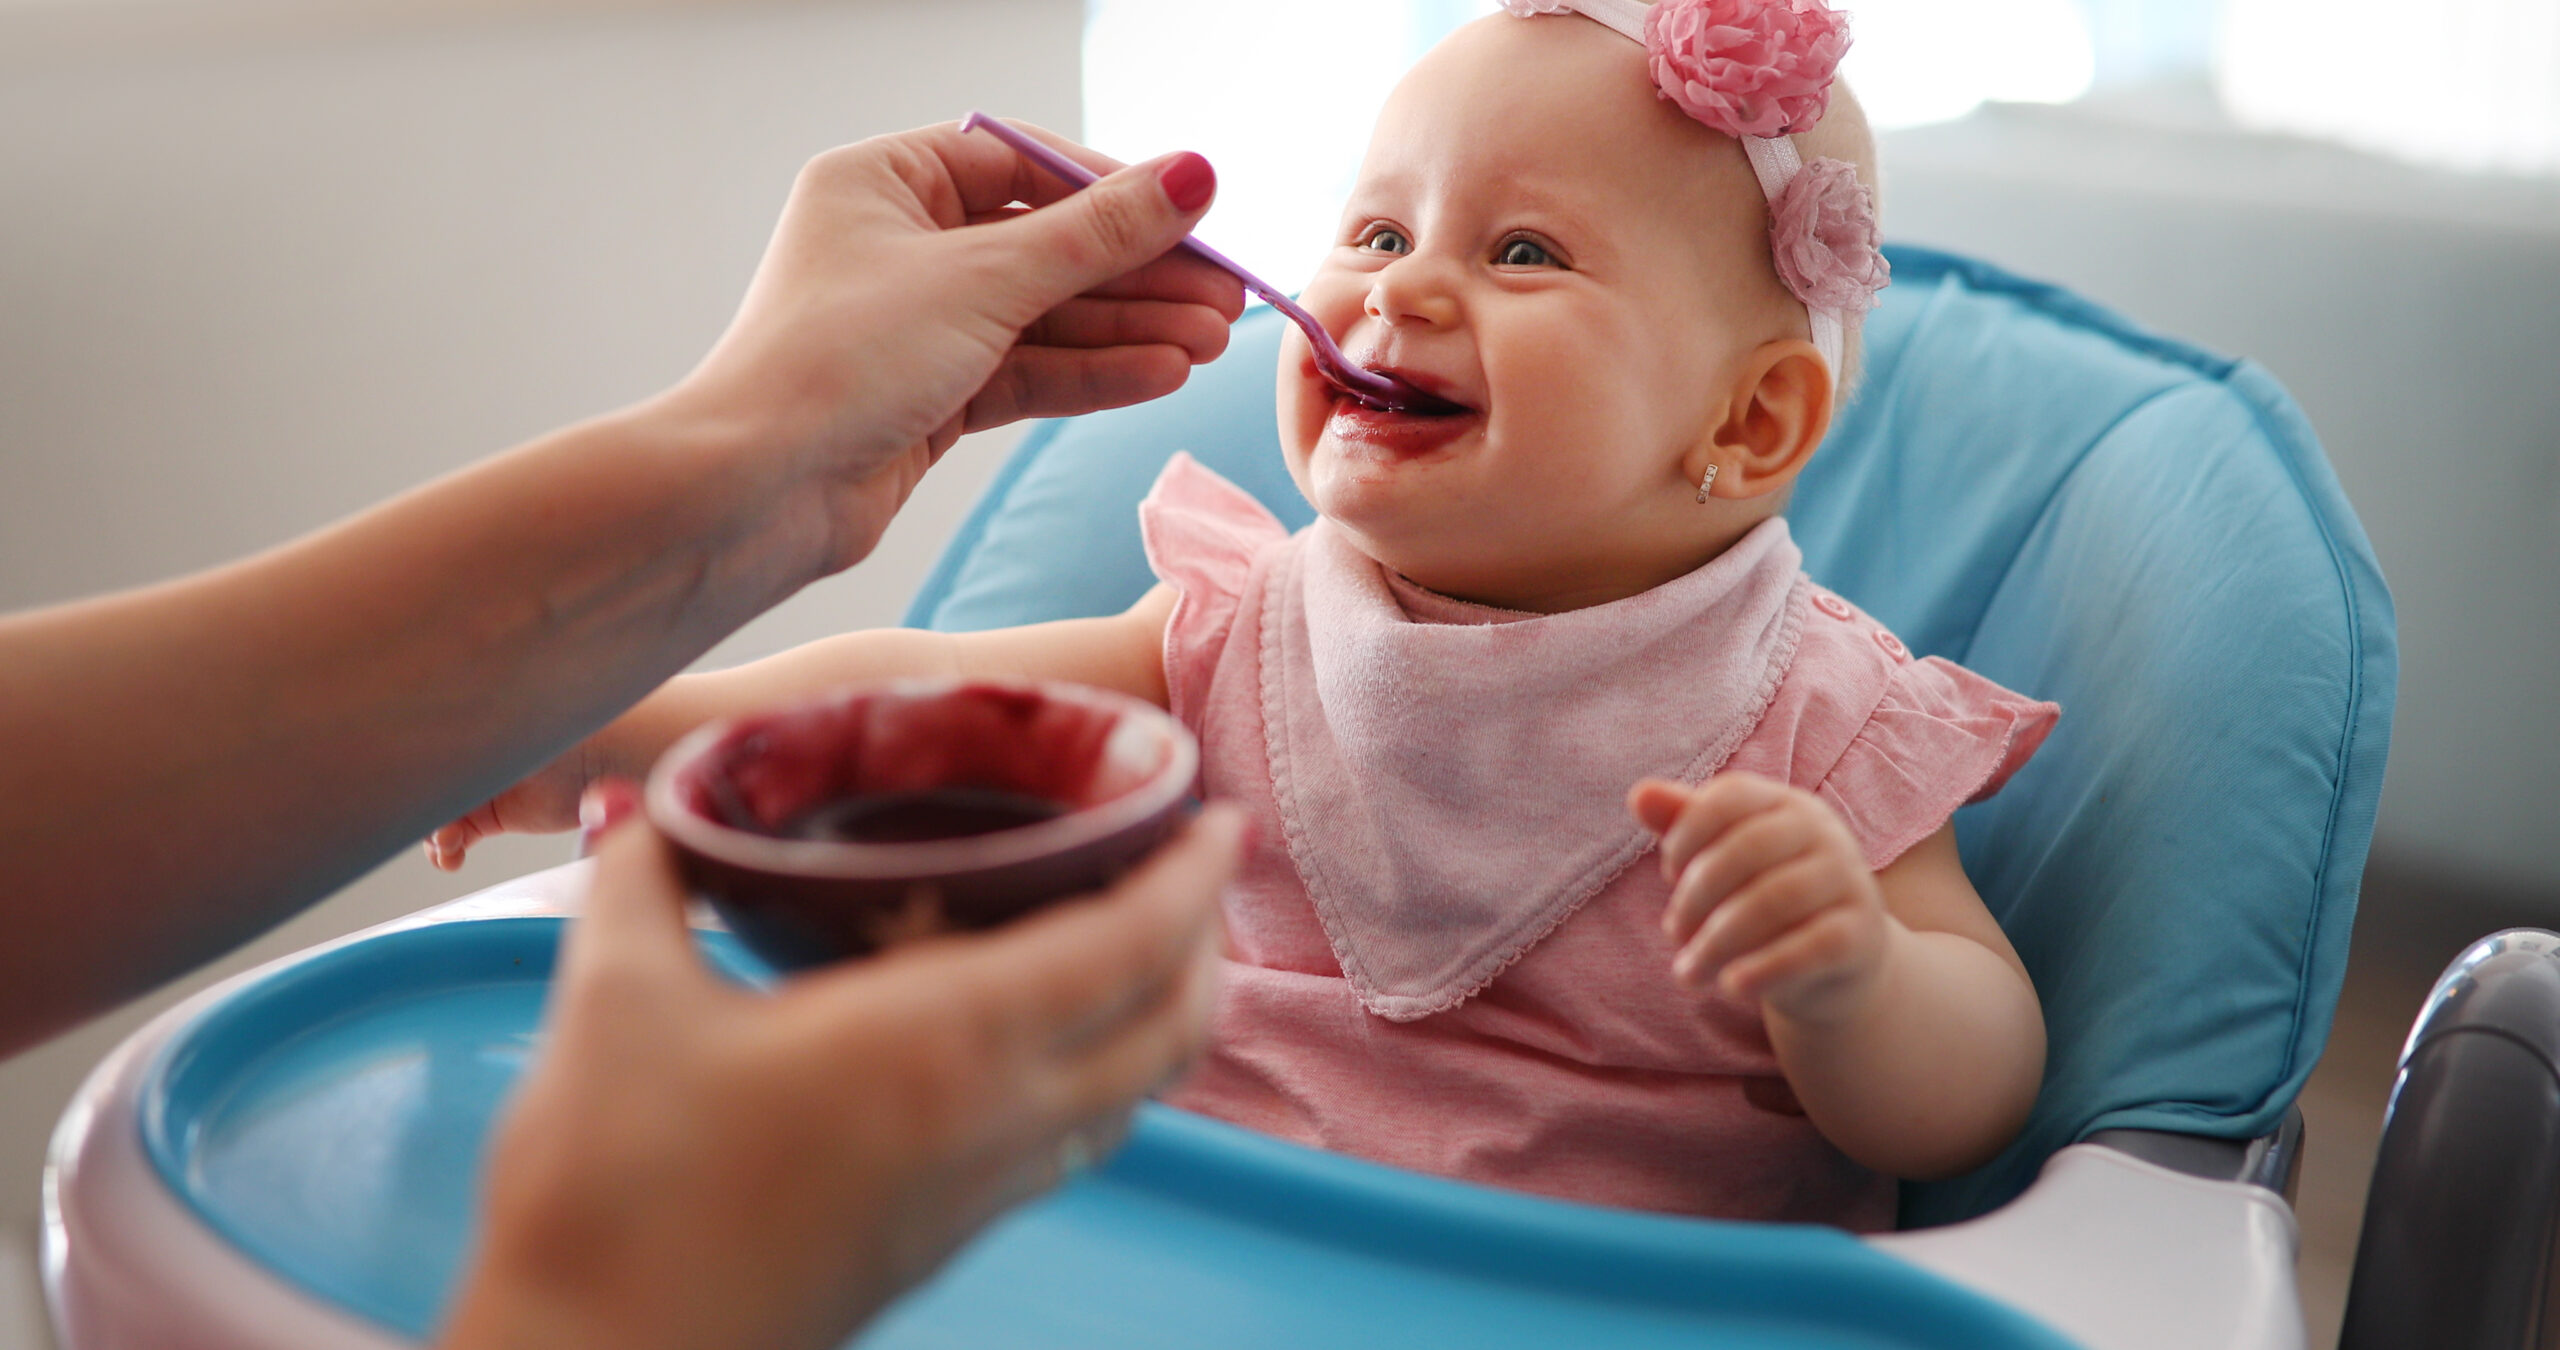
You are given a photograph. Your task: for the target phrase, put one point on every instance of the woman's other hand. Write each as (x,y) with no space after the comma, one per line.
(906,299)
(693,1164)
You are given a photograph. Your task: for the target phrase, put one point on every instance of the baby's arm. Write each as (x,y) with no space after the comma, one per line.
(1903,1019)
(1123,652)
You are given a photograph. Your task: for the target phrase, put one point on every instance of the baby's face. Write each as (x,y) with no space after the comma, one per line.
(1536,236)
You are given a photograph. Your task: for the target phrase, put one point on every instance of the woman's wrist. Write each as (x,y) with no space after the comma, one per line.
(754,470)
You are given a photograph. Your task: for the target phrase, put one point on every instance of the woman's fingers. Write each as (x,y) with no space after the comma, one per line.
(1070,974)
(633,921)
(1140,1052)
(985,175)
(1066,381)
(1084,322)
(1082,969)
(1033,262)
(1178,278)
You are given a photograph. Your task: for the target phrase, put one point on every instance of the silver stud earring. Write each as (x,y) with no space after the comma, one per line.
(1708,482)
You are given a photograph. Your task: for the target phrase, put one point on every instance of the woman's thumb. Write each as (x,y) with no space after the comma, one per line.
(1118,225)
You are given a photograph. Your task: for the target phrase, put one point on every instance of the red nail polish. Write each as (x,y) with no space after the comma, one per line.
(1188,181)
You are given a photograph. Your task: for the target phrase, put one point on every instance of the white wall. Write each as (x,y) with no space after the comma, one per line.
(2416,316)
(261,265)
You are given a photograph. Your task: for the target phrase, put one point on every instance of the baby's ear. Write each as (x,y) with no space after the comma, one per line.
(1775,418)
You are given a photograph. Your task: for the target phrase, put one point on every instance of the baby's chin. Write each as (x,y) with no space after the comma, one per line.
(1430,526)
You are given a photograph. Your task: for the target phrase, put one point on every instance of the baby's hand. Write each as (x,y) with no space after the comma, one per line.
(1771,896)
(546,802)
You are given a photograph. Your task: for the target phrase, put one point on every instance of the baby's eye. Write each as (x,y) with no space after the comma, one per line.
(1386,239)
(1522,253)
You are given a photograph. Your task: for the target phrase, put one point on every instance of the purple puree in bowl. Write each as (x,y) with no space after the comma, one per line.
(913,817)
(840,826)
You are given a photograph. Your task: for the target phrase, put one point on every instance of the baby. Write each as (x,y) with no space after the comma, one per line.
(1530,642)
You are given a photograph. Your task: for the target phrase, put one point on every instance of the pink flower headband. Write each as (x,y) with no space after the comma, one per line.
(1760,71)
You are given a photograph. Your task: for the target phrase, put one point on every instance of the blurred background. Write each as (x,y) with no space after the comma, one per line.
(264,262)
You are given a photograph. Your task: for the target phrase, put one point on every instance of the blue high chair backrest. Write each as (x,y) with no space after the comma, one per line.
(2029,485)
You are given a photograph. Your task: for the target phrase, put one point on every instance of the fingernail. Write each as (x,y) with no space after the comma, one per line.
(607,804)
(1188,181)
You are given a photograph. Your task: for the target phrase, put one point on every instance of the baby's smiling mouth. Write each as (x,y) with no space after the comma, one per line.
(1400,434)
(1436,401)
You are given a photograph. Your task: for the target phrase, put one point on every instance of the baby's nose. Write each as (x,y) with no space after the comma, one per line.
(1410,290)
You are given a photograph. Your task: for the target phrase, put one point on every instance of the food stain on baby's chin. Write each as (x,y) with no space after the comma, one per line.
(1376,434)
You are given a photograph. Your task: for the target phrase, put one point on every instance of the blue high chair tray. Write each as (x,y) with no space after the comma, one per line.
(329,1121)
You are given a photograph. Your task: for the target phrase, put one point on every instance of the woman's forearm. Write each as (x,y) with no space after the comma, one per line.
(1934,1071)
(190,763)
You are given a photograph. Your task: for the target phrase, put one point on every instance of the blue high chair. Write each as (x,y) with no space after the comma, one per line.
(2141,531)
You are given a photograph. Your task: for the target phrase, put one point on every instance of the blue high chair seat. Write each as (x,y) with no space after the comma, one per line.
(2026,484)
(2140,531)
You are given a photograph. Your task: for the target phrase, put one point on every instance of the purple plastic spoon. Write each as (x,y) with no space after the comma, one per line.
(1375,389)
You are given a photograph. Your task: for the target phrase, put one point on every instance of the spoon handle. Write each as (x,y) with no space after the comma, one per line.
(1328,355)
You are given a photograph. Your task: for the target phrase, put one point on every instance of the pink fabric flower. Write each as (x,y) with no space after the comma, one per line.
(1824,238)
(1746,67)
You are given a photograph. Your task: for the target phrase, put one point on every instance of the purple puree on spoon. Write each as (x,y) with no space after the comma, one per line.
(1373,388)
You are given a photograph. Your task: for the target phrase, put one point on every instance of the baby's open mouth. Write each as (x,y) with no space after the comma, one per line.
(1436,423)
(1426,400)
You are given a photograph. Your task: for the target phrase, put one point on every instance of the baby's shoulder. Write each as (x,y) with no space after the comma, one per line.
(1842,668)
(1845,661)
(1203,533)
(1896,742)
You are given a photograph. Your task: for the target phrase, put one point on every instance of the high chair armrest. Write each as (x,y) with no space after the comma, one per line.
(2143,1241)
(2273,1161)
(2462,1223)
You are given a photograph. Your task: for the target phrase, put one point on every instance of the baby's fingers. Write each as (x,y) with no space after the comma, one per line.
(447,846)
(1828,949)
(1759,915)
(1747,850)
(1711,808)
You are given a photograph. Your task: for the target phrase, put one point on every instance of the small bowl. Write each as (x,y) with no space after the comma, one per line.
(834,828)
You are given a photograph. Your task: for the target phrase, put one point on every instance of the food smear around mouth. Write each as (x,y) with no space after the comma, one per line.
(1398,397)
(1365,428)
(919,816)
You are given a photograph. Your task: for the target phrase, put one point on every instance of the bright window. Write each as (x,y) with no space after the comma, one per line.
(1280,95)
(2474,85)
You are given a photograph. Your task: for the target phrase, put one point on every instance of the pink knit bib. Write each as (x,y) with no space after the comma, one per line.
(1434,750)
(1390,734)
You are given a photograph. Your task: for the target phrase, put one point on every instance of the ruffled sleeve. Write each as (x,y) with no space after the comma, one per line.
(1941,736)
(1202,534)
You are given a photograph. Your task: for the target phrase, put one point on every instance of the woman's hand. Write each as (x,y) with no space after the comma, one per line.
(1771,897)
(692,1164)
(374,680)
(904,301)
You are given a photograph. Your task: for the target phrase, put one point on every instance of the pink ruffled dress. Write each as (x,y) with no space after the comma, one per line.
(1445,955)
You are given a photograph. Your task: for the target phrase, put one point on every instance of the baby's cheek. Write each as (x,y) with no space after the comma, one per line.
(1303,402)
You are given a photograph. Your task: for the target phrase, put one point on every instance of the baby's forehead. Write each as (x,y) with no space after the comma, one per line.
(1556,112)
